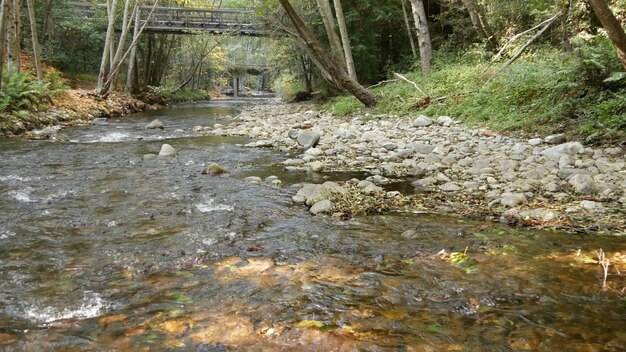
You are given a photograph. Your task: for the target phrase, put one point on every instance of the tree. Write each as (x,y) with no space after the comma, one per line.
(329,24)
(479,19)
(327,62)
(345,40)
(612,26)
(408,29)
(423,35)
(4,18)
(35,40)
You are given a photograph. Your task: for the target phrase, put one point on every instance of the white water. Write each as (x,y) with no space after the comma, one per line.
(14,178)
(91,305)
(22,195)
(208,206)
(4,234)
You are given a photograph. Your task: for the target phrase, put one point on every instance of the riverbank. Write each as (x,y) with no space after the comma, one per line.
(75,107)
(545,182)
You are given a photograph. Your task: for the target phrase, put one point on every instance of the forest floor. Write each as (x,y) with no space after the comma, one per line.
(544,182)
(73,107)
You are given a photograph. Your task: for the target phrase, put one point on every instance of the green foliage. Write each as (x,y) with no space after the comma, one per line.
(287,85)
(20,91)
(547,91)
(165,95)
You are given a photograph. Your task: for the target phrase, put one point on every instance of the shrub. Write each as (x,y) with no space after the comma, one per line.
(20,91)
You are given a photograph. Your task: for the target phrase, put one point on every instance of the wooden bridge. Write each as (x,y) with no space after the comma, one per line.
(186,20)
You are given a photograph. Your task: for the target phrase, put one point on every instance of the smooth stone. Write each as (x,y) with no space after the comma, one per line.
(512,200)
(214,169)
(445,121)
(316,166)
(155,124)
(293,134)
(592,206)
(100,121)
(555,139)
(535,141)
(422,121)
(167,150)
(308,139)
(253,180)
(149,156)
(323,206)
(450,187)
(557,151)
(197,129)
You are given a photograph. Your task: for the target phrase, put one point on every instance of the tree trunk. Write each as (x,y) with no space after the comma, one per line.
(306,69)
(33,32)
(423,35)
(327,61)
(4,19)
(345,40)
(13,35)
(130,87)
(408,29)
(477,15)
(46,26)
(111,80)
(329,23)
(612,26)
(108,43)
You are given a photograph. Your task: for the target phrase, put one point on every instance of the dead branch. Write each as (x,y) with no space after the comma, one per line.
(402,78)
(381,83)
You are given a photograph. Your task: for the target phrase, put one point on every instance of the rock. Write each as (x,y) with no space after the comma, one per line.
(100,121)
(422,121)
(409,234)
(592,206)
(512,200)
(555,139)
(363,184)
(450,187)
(311,193)
(583,184)
(149,156)
(214,169)
(552,187)
(417,171)
(557,151)
(334,187)
(167,150)
(314,152)
(323,206)
(422,148)
(445,121)
(390,146)
(535,141)
(539,214)
(316,166)
(155,124)
(197,129)
(308,139)
(293,134)
(372,188)
(253,180)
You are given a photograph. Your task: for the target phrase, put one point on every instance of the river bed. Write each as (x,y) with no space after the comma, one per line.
(101,250)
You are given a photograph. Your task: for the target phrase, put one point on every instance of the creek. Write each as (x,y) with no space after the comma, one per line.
(101,250)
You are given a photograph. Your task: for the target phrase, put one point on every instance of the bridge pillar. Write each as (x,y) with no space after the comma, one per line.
(236,83)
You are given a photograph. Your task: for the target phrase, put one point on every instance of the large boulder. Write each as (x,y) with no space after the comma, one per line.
(308,139)
(311,193)
(323,206)
(583,184)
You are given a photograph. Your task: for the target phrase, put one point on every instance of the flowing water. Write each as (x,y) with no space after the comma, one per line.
(101,251)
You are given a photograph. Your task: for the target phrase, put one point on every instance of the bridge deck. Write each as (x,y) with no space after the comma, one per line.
(186,20)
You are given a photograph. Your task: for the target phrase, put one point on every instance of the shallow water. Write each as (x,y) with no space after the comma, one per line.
(100,250)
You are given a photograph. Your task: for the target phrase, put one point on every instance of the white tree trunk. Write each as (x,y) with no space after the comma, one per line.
(345,39)
(108,43)
(423,35)
(329,24)
(33,32)
(130,76)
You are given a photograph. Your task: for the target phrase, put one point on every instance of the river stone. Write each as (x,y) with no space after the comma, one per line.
(155,124)
(323,206)
(512,200)
(583,184)
(372,188)
(253,180)
(450,187)
(557,151)
(592,206)
(422,121)
(422,148)
(314,152)
(214,169)
(311,193)
(149,156)
(100,121)
(334,187)
(539,214)
(293,134)
(167,150)
(445,121)
(308,139)
(535,141)
(555,139)
(316,166)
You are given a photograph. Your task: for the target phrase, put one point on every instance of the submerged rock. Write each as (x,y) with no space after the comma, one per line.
(155,124)
(167,150)
(214,169)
